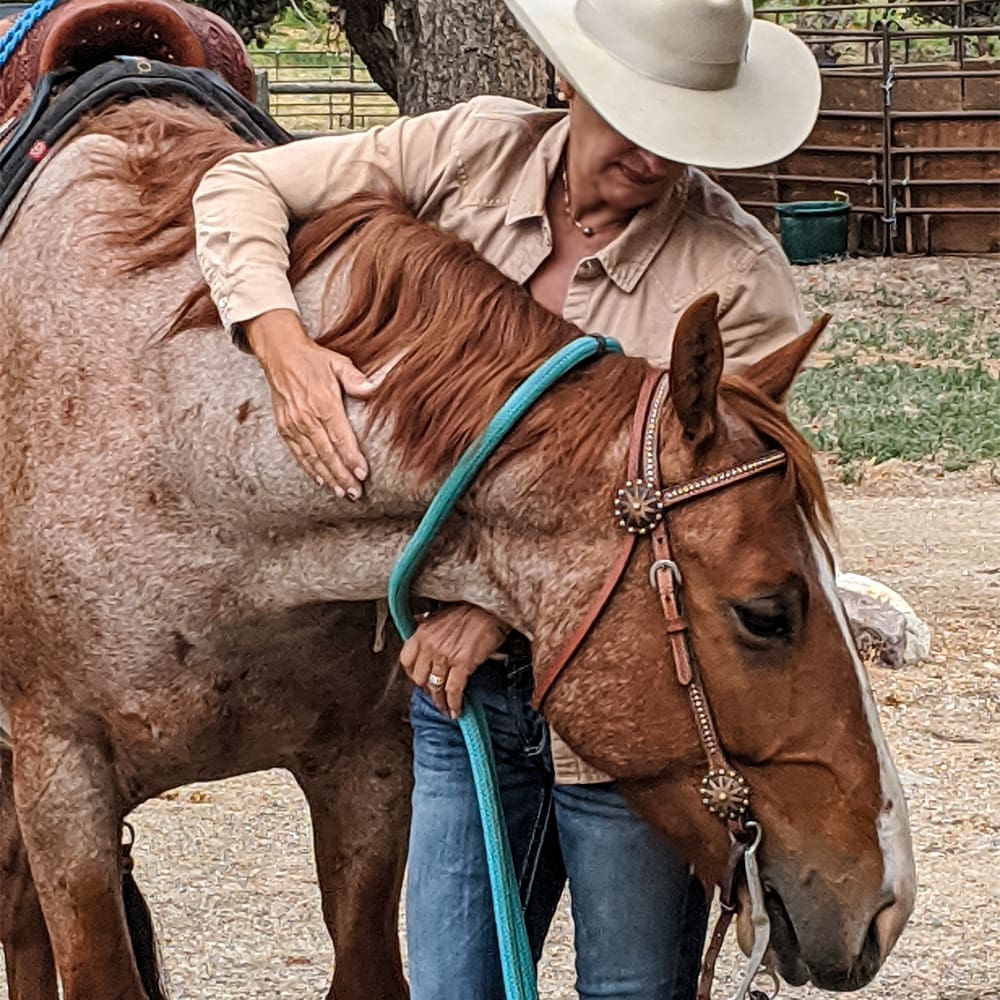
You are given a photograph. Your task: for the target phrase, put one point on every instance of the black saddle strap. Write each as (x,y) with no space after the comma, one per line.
(63,97)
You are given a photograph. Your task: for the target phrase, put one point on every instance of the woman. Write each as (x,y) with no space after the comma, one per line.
(601,216)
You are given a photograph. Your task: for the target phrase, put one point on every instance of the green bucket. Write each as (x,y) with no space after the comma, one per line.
(812,231)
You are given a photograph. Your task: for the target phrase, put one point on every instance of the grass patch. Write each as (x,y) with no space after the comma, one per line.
(959,334)
(875,412)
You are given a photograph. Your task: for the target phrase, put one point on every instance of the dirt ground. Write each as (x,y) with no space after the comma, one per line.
(228,870)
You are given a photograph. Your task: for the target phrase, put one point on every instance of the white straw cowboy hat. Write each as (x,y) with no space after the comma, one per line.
(696,81)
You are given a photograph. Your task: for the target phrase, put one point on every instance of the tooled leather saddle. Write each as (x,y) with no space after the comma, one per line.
(85,33)
(88,53)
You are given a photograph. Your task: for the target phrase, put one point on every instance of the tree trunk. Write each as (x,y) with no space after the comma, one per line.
(364,25)
(450,50)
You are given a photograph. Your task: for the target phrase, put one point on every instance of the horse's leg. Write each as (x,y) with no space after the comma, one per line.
(360,804)
(31,972)
(69,813)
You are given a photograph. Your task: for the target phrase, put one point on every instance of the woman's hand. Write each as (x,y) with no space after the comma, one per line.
(445,650)
(308,384)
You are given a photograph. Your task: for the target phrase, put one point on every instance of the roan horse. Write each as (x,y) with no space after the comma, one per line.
(180,603)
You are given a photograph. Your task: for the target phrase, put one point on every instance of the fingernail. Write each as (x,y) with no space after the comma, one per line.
(454,715)
(339,490)
(319,480)
(369,384)
(354,494)
(360,471)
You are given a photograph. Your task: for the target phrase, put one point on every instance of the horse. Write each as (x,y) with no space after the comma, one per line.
(181,603)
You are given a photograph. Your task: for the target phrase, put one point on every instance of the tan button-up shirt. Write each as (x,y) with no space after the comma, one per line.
(482,170)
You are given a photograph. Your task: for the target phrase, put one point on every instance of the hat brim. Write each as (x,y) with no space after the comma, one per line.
(767,114)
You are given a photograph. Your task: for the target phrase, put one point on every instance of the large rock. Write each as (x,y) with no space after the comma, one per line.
(886,628)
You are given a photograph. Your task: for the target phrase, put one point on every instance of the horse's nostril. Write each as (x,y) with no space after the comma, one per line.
(887,926)
(871,951)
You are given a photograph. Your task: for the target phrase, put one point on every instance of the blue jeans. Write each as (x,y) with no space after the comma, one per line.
(639,917)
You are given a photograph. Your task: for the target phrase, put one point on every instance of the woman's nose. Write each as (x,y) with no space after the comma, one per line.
(654,164)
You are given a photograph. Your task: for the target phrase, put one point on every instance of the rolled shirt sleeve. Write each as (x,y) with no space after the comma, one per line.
(244,205)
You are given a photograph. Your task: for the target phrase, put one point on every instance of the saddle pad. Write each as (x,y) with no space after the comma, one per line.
(62,98)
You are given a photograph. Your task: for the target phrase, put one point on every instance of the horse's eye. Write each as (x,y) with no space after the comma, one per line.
(765,620)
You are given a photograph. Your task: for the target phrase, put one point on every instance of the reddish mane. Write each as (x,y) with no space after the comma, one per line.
(469,333)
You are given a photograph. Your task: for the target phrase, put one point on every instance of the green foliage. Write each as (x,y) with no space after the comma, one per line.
(254,19)
(874,412)
(978,13)
(958,336)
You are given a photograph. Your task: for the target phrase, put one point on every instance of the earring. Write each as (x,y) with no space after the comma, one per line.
(561,95)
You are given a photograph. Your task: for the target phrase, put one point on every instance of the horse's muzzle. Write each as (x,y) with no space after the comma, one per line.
(827,965)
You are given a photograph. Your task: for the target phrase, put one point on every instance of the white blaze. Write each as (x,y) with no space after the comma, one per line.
(899,872)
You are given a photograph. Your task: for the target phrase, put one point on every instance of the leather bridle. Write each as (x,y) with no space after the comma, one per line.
(640,508)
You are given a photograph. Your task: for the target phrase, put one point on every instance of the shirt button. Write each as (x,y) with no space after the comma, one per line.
(589,269)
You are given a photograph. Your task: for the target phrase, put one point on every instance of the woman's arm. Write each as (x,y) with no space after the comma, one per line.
(243,208)
(761,310)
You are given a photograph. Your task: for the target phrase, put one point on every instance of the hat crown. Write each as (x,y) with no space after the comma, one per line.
(698,44)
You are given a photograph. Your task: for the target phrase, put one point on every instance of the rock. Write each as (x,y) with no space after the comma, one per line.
(884,624)
(879,630)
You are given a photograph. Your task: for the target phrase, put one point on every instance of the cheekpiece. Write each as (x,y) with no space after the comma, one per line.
(638,506)
(725,793)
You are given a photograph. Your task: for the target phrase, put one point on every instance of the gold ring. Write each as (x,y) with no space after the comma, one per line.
(436,681)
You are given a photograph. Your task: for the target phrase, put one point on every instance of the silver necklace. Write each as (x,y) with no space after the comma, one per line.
(587,231)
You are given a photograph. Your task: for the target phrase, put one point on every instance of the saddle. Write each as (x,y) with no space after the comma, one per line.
(85,33)
(63,97)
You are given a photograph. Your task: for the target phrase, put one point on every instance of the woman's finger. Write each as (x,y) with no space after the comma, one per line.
(355,382)
(421,668)
(304,453)
(338,447)
(437,682)
(454,691)
(311,436)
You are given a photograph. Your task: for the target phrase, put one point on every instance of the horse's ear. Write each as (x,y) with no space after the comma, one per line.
(775,373)
(695,370)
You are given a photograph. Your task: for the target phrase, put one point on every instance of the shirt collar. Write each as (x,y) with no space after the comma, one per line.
(532,184)
(625,259)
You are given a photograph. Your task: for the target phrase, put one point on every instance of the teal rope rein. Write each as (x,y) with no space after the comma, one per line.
(26,20)
(515,953)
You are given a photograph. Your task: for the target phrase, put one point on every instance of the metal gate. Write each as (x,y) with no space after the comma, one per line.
(914,142)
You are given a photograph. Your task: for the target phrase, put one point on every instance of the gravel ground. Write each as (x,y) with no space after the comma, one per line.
(227,867)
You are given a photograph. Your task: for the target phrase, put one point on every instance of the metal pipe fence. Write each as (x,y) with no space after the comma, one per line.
(920,168)
(320,91)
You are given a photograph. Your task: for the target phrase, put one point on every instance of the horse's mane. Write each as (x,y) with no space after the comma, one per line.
(469,334)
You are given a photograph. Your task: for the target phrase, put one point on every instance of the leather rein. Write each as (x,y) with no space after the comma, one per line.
(640,508)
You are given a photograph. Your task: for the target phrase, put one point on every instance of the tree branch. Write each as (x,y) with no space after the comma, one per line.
(364,25)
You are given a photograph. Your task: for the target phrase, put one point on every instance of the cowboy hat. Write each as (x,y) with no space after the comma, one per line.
(696,81)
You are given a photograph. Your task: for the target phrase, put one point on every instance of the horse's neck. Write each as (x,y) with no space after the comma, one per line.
(515,549)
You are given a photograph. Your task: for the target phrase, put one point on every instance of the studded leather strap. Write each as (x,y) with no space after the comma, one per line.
(727,910)
(550,674)
(640,509)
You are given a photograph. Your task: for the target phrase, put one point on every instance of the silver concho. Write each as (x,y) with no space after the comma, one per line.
(725,793)
(638,506)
